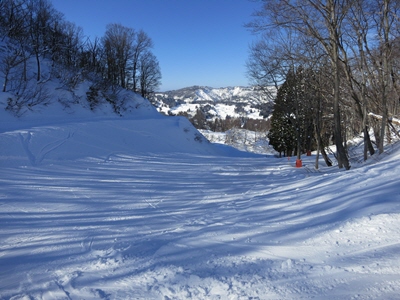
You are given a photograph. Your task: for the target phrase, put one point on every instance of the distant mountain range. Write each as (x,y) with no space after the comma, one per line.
(249,102)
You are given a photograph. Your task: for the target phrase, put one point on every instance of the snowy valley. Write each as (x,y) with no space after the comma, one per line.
(236,102)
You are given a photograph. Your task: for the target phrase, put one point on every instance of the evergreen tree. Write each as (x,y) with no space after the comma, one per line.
(291,122)
(282,133)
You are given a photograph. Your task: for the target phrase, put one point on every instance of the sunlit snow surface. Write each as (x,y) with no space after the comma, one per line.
(145,209)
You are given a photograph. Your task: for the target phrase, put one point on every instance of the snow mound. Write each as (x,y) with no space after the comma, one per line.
(73,141)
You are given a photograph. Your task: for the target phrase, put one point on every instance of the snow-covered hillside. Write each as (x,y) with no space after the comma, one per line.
(249,102)
(103,197)
(99,206)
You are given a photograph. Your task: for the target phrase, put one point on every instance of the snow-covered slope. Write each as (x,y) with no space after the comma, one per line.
(137,205)
(54,132)
(98,206)
(249,102)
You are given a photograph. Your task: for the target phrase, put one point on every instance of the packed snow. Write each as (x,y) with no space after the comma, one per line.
(95,206)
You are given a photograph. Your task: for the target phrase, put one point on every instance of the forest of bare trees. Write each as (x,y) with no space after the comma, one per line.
(34,30)
(350,53)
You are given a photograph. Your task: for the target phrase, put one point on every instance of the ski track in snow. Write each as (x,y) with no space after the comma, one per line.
(38,158)
(199,227)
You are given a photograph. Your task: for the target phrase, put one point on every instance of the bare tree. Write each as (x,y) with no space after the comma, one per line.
(386,17)
(118,41)
(40,15)
(374,24)
(33,28)
(264,67)
(150,74)
(12,18)
(70,45)
(12,57)
(141,44)
(355,66)
(92,55)
(323,21)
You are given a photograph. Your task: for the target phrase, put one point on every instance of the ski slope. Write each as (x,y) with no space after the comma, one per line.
(143,207)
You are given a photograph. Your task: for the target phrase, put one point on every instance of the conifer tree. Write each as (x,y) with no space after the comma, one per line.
(282,133)
(291,122)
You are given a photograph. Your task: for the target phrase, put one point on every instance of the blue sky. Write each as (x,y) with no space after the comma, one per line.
(197,42)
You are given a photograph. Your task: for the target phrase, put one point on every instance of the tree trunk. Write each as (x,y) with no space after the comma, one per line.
(321,147)
(385,74)
(326,157)
(5,82)
(343,160)
(367,140)
(38,65)
(334,40)
(317,138)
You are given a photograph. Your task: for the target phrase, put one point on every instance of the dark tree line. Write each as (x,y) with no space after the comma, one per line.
(33,29)
(350,52)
